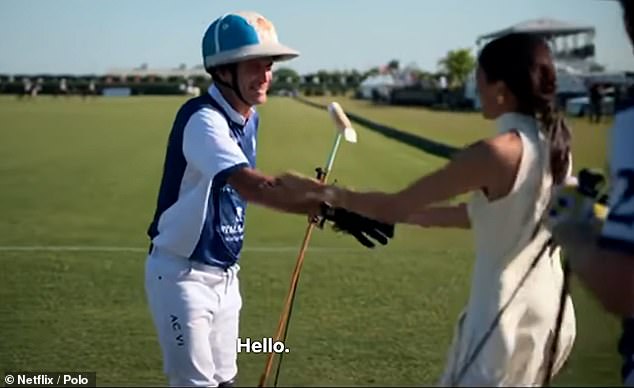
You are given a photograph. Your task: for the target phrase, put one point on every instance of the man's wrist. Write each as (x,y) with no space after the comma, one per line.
(336,196)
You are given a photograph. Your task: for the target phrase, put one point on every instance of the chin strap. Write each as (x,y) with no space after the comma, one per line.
(234,85)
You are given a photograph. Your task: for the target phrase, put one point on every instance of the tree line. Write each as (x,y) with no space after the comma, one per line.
(455,67)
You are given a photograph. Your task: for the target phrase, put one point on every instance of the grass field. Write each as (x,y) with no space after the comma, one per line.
(78,186)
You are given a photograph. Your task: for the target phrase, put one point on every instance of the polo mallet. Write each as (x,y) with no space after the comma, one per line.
(345,130)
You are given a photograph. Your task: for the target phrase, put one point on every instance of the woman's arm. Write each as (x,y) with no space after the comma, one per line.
(441,217)
(490,165)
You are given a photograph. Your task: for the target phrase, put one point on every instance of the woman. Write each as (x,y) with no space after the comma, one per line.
(510,175)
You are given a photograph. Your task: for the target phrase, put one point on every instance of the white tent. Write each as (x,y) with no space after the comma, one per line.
(380,83)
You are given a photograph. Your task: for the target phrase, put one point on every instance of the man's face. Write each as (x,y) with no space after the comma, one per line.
(254,78)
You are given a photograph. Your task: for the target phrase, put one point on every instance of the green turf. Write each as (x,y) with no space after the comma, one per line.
(85,173)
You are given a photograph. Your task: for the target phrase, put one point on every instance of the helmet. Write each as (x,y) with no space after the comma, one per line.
(240,36)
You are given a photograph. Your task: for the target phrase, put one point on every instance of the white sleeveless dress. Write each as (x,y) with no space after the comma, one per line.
(518,346)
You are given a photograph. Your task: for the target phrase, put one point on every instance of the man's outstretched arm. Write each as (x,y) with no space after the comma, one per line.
(257,187)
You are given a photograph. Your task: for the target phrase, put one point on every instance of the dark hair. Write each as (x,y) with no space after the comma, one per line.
(523,62)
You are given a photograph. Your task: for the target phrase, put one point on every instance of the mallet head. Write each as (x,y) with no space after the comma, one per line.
(342,122)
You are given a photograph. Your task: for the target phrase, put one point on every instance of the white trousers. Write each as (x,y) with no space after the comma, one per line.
(195,309)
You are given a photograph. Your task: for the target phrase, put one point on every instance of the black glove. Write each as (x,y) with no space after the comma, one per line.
(362,228)
(592,183)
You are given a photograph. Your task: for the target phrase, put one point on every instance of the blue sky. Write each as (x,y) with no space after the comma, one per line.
(91,36)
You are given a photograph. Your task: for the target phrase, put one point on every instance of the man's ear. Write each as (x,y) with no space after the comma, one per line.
(223,73)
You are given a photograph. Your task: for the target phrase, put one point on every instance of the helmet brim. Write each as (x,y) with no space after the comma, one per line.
(278,52)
